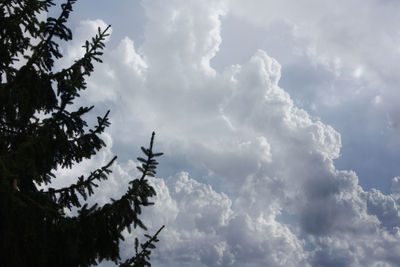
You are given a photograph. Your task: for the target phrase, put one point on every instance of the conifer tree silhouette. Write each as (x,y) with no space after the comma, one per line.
(38,133)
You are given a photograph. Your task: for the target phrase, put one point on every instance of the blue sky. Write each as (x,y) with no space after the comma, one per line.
(279,122)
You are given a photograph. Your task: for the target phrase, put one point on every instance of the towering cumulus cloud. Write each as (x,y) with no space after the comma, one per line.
(268,192)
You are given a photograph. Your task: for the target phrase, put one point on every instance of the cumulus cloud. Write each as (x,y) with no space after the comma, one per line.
(360,50)
(277,198)
(204,229)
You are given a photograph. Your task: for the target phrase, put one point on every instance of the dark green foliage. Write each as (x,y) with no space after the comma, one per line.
(40,131)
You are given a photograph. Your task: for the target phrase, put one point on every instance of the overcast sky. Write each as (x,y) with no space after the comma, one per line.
(279,120)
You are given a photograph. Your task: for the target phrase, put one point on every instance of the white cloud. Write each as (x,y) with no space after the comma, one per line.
(396,185)
(270,158)
(356,40)
(202,229)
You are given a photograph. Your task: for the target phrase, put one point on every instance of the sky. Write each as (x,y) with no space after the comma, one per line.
(279,121)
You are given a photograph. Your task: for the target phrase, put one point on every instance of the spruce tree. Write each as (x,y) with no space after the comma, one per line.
(40,131)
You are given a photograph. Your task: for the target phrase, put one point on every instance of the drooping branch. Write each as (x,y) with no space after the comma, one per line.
(121,214)
(67,196)
(137,195)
